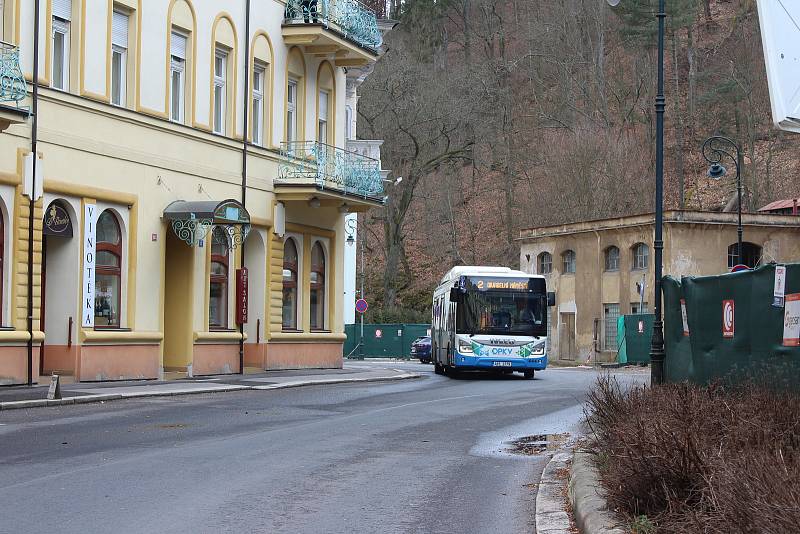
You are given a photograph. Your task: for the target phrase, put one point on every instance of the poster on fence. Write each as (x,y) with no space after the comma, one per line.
(791,321)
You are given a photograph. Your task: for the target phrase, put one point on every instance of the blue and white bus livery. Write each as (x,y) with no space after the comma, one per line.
(490,319)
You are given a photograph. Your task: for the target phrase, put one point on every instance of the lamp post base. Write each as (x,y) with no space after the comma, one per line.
(657,354)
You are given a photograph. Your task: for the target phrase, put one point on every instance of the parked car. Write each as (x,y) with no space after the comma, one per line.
(421,348)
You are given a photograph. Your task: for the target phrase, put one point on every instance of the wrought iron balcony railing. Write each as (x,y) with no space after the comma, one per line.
(12,82)
(351,18)
(331,168)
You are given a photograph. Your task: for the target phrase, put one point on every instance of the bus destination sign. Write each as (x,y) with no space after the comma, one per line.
(486,283)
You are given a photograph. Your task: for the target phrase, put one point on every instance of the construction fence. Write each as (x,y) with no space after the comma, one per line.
(734,326)
(383,340)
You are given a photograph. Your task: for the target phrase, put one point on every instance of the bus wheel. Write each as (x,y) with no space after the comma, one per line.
(529,374)
(437,368)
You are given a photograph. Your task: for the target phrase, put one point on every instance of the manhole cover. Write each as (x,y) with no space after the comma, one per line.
(538,444)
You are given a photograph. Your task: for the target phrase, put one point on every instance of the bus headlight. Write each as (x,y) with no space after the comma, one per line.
(464,347)
(538,350)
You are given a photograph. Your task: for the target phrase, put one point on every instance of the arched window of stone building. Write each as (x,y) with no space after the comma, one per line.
(612,259)
(568,258)
(108,271)
(751,255)
(544,263)
(641,257)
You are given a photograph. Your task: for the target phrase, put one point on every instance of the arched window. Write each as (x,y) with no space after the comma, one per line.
(108,271)
(326,99)
(612,259)
(751,255)
(641,257)
(568,258)
(295,97)
(317,287)
(289,285)
(218,279)
(181,81)
(544,263)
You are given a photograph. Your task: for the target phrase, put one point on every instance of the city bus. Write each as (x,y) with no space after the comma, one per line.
(490,319)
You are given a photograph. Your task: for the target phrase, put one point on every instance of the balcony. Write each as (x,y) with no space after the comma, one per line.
(331,175)
(345,29)
(13,89)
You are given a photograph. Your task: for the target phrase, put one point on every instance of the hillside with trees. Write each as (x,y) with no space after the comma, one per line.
(506,114)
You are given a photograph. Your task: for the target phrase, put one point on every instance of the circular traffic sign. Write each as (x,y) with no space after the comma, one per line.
(361,306)
(740,267)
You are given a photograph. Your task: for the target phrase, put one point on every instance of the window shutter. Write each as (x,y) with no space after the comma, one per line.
(62,9)
(178,47)
(119,30)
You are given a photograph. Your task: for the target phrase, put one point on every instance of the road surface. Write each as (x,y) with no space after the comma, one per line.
(425,455)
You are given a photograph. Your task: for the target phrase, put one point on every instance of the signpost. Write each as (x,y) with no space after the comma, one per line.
(791,321)
(780,286)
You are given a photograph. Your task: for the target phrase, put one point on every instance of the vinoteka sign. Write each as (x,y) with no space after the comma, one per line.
(89,257)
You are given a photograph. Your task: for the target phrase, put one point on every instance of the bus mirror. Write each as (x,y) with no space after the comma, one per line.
(551,298)
(454,294)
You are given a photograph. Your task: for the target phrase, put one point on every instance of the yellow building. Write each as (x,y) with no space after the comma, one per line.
(178,141)
(597,268)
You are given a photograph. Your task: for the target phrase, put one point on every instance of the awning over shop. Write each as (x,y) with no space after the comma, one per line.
(192,221)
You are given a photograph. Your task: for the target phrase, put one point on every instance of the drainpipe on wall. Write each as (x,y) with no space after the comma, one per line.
(246,110)
(32,204)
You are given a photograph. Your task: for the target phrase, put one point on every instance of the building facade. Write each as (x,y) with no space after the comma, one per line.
(178,142)
(603,269)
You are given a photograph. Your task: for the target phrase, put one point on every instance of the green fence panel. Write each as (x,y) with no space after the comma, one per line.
(755,348)
(383,340)
(679,364)
(638,337)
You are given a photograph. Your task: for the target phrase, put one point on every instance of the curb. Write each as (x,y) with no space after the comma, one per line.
(86,399)
(588,503)
(550,515)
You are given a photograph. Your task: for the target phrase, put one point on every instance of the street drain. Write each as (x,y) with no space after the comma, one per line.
(538,444)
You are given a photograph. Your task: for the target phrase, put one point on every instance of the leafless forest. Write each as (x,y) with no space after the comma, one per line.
(506,114)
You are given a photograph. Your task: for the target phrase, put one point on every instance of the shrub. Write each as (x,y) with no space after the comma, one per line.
(685,458)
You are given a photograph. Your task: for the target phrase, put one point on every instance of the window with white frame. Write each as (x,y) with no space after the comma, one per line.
(220,89)
(544,263)
(62,15)
(568,260)
(258,105)
(291,112)
(119,58)
(177,83)
(612,259)
(322,120)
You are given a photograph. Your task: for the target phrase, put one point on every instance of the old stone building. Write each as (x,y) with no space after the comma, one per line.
(598,268)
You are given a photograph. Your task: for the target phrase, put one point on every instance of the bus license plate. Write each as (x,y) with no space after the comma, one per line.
(501,364)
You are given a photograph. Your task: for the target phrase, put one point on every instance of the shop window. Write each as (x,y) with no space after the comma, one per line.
(641,256)
(317,287)
(108,280)
(612,259)
(544,263)
(218,280)
(568,258)
(751,255)
(290,285)
(2,263)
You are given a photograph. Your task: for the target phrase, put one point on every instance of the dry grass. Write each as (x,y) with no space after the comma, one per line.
(683,458)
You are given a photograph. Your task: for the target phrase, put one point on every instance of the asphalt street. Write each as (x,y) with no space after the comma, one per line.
(424,455)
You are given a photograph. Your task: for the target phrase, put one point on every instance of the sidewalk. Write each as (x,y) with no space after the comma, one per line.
(29,397)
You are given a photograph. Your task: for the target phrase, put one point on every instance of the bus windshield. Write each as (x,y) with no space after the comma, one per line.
(514,313)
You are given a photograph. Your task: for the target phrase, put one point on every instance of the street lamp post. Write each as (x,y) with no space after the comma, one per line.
(657,353)
(714,149)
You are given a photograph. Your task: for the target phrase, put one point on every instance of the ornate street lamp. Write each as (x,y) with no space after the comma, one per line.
(657,353)
(714,149)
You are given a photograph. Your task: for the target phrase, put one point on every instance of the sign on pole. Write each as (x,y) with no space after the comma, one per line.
(241,296)
(362,306)
(780,33)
